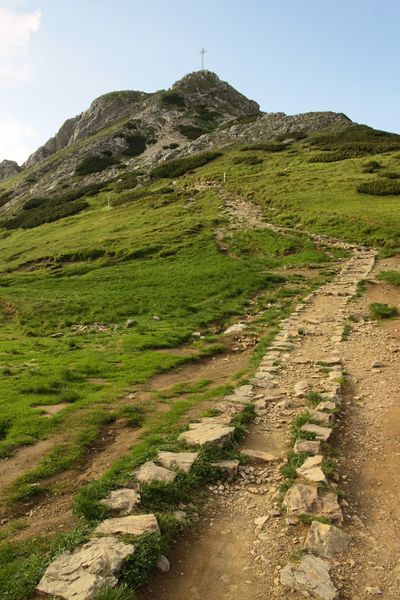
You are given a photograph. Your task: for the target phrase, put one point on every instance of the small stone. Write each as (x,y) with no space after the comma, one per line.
(163,564)
(130,323)
(373,591)
(321,417)
(301,388)
(156,318)
(236,328)
(326,540)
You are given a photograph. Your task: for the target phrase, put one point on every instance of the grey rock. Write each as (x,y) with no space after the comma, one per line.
(123,501)
(258,456)
(321,433)
(207,434)
(163,564)
(80,574)
(149,472)
(131,525)
(8,168)
(310,575)
(321,417)
(182,461)
(311,469)
(326,540)
(301,499)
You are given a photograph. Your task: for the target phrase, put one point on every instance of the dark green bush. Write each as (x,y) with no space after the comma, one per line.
(380,187)
(173,99)
(266,147)
(47,212)
(191,131)
(389,175)
(294,135)
(371,166)
(94,164)
(180,166)
(352,142)
(136,144)
(5,197)
(382,311)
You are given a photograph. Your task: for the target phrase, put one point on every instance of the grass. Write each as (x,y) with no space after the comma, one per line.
(383,311)
(392,277)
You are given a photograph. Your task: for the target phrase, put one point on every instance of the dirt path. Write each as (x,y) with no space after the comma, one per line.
(233,553)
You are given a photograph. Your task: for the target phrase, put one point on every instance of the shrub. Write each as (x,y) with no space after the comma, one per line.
(46,212)
(389,175)
(180,166)
(94,164)
(371,166)
(5,197)
(191,131)
(392,277)
(137,144)
(173,99)
(380,187)
(294,135)
(382,311)
(266,147)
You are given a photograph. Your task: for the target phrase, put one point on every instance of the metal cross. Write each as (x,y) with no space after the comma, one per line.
(202,52)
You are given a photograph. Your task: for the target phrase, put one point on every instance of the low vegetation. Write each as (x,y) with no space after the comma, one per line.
(180,166)
(95,164)
(392,277)
(382,311)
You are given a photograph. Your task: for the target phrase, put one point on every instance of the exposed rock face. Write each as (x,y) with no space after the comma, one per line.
(310,575)
(8,168)
(81,574)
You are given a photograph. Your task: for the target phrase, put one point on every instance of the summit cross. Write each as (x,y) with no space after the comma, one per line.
(202,52)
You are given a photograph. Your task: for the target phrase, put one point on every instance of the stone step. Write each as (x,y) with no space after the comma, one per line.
(122,502)
(207,434)
(182,461)
(132,525)
(149,472)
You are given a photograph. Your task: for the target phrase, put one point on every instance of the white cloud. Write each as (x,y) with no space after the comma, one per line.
(17,140)
(16,29)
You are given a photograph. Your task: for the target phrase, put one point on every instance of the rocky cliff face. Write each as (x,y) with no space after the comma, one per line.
(8,168)
(135,131)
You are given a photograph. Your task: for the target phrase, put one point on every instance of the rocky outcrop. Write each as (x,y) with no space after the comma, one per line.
(8,168)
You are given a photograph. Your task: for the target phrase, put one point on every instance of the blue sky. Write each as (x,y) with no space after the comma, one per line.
(292,56)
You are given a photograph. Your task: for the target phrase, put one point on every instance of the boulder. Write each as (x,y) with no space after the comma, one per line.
(329,509)
(327,405)
(177,460)
(311,469)
(310,575)
(123,501)
(321,433)
(326,540)
(207,434)
(149,472)
(307,447)
(131,525)
(82,573)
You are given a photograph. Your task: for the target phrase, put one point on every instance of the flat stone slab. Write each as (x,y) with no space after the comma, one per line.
(177,460)
(307,446)
(82,573)
(310,575)
(301,388)
(207,434)
(329,509)
(131,525)
(149,472)
(326,540)
(321,433)
(123,501)
(258,455)
(241,394)
(311,469)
